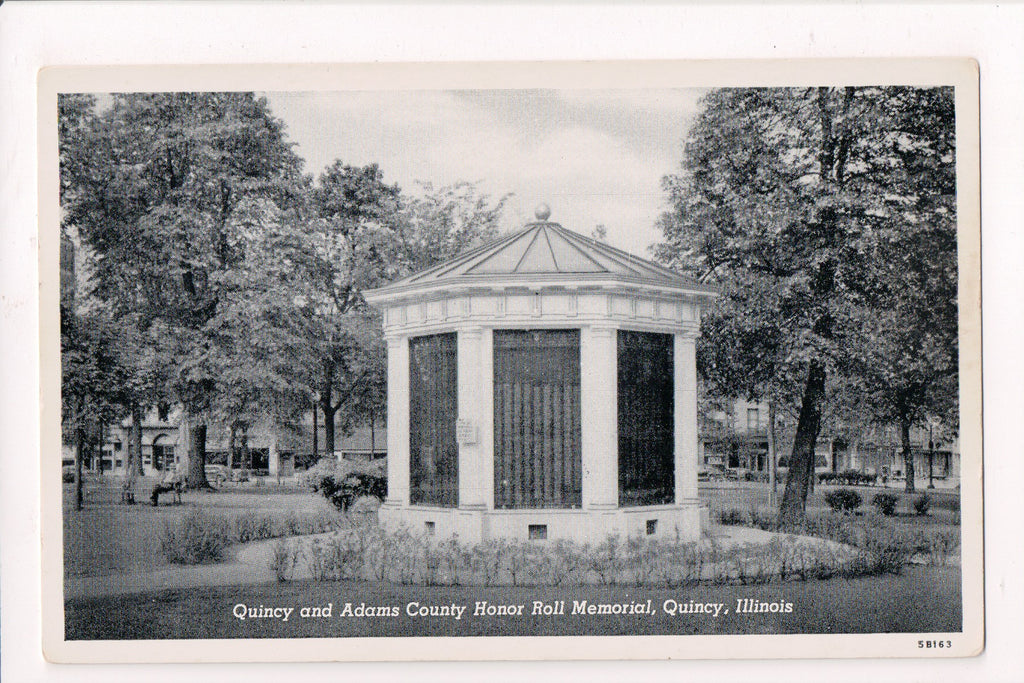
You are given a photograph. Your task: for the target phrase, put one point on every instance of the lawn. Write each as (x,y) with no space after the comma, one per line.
(921,599)
(107,537)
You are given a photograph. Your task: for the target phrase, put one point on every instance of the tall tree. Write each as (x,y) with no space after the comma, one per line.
(365,233)
(161,181)
(912,374)
(352,236)
(783,200)
(436,223)
(93,377)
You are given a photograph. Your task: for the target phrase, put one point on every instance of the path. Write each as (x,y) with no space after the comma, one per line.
(248,565)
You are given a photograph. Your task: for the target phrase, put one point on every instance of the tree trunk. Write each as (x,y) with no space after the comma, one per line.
(373,442)
(98,447)
(329,409)
(79,454)
(329,413)
(133,455)
(231,446)
(316,435)
(772,459)
(908,454)
(196,478)
(801,462)
(246,456)
(135,439)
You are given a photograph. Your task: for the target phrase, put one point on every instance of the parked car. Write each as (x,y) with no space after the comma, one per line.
(218,475)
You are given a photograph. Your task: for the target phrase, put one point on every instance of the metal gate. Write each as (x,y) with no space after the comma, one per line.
(646,418)
(537,461)
(433,405)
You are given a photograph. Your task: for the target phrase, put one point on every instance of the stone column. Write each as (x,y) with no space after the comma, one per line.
(599,417)
(274,456)
(398,420)
(470,385)
(686,441)
(487,416)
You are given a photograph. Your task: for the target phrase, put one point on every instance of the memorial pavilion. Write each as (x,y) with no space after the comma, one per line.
(542,386)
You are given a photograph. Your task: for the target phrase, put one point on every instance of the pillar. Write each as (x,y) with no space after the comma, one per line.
(686,438)
(487,416)
(599,417)
(398,420)
(472,492)
(274,459)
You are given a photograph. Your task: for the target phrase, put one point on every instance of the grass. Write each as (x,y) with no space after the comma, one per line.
(921,599)
(109,538)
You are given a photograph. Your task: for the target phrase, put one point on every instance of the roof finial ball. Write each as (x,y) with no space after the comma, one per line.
(542,212)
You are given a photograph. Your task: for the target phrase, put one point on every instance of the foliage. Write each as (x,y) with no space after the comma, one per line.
(169,192)
(195,538)
(251,526)
(285,559)
(848,477)
(343,482)
(436,223)
(886,503)
(371,553)
(804,206)
(922,503)
(843,500)
(731,517)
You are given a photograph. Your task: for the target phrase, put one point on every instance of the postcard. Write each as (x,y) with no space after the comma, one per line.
(491,361)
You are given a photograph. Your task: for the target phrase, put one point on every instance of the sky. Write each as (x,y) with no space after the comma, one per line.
(596,157)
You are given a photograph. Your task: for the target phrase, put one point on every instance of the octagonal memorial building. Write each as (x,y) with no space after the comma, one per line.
(542,386)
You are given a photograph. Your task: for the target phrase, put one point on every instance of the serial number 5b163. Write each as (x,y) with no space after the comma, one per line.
(927,644)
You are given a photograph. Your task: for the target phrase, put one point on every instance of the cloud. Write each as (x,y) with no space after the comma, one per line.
(597,157)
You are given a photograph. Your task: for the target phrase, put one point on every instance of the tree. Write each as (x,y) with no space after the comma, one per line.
(913,374)
(92,381)
(366,233)
(351,237)
(434,224)
(161,184)
(784,200)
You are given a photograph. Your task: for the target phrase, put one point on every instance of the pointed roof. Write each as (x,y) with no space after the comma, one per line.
(542,253)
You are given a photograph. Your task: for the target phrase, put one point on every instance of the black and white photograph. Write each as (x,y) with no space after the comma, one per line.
(603,350)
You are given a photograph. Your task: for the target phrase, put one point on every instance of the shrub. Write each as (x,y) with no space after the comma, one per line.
(731,517)
(487,558)
(195,538)
(887,549)
(886,503)
(921,504)
(640,558)
(343,481)
(941,544)
(284,560)
(248,526)
(843,500)
(606,560)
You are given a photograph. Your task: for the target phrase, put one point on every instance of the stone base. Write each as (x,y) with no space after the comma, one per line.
(668,522)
